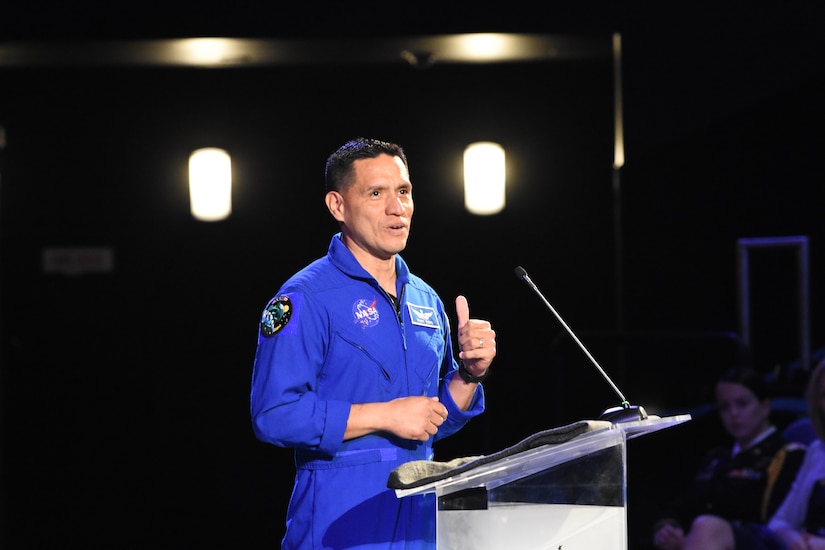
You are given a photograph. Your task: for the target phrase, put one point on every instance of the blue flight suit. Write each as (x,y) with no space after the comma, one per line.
(330,338)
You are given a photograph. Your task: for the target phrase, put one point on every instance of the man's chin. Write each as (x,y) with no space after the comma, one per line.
(398,245)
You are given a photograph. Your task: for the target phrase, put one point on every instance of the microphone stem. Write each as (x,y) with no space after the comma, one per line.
(625,402)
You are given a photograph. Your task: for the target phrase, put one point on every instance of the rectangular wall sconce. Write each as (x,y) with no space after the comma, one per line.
(484,178)
(210,184)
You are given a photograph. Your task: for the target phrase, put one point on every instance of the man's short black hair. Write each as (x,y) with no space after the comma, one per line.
(339,164)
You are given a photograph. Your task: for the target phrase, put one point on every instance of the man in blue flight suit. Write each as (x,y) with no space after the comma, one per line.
(355,367)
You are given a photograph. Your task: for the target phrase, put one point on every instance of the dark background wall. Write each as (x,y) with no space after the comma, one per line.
(124,394)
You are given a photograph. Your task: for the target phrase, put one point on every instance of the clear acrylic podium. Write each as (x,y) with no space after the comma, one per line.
(562,496)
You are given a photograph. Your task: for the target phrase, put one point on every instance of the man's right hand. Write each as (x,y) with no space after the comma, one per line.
(416,417)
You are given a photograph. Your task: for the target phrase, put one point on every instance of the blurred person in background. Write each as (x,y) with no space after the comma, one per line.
(738,486)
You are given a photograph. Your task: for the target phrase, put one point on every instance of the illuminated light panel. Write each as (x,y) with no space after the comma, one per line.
(210,184)
(484,178)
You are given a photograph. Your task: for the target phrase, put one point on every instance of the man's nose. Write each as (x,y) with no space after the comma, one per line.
(396,206)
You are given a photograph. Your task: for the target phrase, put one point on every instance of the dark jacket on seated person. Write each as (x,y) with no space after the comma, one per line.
(747,487)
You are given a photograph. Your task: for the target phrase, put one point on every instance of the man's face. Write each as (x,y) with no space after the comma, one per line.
(376,208)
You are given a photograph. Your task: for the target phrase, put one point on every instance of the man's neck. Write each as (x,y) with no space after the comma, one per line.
(383,270)
(384,273)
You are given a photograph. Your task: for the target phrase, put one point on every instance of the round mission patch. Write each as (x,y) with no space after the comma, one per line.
(276,315)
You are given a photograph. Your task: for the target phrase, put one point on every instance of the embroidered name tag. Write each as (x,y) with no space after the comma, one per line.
(423,316)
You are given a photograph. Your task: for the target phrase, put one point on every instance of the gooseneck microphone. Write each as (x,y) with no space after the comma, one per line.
(623,413)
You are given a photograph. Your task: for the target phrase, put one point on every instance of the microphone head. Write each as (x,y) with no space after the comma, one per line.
(627,413)
(521,273)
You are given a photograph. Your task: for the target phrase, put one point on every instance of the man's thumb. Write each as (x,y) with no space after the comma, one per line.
(462,309)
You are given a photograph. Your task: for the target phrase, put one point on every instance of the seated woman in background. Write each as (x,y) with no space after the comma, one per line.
(739,486)
(800,520)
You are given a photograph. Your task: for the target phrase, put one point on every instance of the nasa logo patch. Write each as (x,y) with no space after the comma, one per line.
(365,312)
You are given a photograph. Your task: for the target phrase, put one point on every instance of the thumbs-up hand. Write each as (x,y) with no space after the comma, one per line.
(476,340)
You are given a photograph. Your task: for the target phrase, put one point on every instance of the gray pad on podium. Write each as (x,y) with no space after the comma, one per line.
(421,472)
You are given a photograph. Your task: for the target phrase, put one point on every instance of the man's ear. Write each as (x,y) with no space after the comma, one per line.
(335,205)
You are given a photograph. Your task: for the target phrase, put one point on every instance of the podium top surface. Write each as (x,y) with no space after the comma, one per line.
(511,467)
(651,424)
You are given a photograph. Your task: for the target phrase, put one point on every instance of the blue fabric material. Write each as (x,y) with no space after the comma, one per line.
(345,343)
